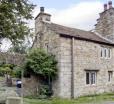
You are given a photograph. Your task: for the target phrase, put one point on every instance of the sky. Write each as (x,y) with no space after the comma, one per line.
(81,14)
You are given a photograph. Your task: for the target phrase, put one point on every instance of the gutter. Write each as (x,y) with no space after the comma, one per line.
(89,40)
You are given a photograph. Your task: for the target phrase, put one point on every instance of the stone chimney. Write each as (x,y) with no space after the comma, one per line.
(105,23)
(110,4)
(42,16)
(105,7)
(40,19)
(41,9)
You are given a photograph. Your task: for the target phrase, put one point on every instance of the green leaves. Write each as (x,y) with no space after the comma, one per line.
(13,14)
(41,63)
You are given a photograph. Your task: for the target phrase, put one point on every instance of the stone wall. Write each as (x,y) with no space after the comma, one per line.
(30,86)
(86,56)
(11,58)
(65,68)
(105,24)
(50,42)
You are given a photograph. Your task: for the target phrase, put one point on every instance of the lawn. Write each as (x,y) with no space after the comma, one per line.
(96,99)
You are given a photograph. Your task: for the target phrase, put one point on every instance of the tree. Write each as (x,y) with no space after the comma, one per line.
(13,17)
(42,64)
(19,48)
(24,46)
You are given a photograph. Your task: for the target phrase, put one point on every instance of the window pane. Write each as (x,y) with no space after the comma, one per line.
(109,53)
(93,78)
(110,74)
(105,51)
(101,52)
(87,78)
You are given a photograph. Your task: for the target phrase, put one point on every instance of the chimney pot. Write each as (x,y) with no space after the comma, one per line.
(105,7)
(110,4)
(42,9)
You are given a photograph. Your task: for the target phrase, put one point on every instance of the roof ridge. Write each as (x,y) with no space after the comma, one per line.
(65,26)
(70,27)
(102,36)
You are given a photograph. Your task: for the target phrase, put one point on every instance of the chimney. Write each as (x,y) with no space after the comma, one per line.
(105,7)
(41,9)
(110,4)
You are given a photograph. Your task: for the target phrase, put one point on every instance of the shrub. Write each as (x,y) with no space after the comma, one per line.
(40,63)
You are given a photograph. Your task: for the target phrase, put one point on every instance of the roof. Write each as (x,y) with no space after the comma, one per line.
(42,14)
(77,33)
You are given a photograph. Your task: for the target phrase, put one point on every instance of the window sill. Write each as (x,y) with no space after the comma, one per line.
(89,85)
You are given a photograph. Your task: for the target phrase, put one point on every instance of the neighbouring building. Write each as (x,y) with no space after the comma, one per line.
(85,58)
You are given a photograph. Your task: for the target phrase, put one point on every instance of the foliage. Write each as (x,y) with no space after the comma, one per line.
(6,69)
(18,48)
(17,71)
(24,46)
(41,63)
(13,17)
(9,69)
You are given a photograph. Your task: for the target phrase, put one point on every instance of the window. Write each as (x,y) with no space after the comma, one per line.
(109,53)
(110,74)
(105,52)
(102,52)
(91,77)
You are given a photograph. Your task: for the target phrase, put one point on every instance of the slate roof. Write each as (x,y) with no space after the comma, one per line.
(77,33)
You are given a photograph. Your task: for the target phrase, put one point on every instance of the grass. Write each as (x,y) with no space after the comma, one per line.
(1,78)
(95,99)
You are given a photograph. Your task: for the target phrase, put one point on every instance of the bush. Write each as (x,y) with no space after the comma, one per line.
(17,72)
(40,63)
(6,69)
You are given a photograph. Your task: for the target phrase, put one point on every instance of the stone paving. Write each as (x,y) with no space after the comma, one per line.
(6,91)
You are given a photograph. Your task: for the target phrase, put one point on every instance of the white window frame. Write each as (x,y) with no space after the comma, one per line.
(102,52)
(105,53)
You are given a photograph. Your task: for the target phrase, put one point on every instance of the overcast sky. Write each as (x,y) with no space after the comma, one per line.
(74,13)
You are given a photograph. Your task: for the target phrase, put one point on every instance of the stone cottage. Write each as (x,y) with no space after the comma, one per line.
(85,58)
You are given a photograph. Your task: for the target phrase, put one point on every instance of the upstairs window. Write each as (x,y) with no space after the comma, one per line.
(105,52)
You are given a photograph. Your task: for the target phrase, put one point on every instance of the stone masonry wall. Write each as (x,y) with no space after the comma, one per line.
(86,56)
(65,68)
(50,41)
(30,86)
(10,58)
(105,24)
